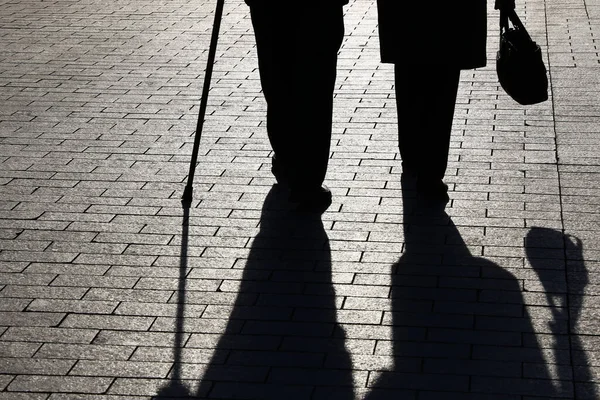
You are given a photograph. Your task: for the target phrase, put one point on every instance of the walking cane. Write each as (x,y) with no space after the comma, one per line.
(188,192)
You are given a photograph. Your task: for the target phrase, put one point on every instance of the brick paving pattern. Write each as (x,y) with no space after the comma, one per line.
(109,289)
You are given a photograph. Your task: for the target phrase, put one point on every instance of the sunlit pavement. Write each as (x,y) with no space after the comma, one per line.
(110,289)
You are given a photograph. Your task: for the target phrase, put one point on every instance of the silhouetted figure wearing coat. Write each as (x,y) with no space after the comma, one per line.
(429,44)
(297,45)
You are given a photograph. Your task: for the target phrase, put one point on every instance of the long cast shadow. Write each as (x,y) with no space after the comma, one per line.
(175,389)
(544,246)
(282,340)
(460,326)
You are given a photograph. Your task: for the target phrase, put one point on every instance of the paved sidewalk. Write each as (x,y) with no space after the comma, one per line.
(109,289)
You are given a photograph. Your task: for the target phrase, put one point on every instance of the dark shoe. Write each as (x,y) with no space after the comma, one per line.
(408,181)
(433,190)
(315,200)
(409,168)
(279,171)
(408,178)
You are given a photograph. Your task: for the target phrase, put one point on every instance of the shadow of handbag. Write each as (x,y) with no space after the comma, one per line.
(519,64)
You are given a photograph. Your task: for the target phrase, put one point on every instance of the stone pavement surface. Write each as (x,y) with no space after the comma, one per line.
(109,289)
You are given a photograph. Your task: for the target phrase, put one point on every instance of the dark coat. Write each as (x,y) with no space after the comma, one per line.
(340,2)
(433,32)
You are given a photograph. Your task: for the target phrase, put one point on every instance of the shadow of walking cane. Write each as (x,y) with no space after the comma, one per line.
(566,304)
(175,388)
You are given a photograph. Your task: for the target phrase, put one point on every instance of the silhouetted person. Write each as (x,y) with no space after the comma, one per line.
(429,43)
(545,249)
(282,340)
(460,329)
(297,44)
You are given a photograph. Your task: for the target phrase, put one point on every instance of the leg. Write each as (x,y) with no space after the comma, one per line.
(444,87)
(314,76)
(274,56)
(412,116)
(425,98)
(297,49)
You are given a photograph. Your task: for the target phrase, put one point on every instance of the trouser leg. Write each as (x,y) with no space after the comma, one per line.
(297,52)
(271,33)
(425,99)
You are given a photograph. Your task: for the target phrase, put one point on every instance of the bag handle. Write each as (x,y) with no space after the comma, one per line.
(504,5)
(507,12)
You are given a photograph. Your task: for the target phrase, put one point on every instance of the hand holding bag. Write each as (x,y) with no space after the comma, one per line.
(519,64)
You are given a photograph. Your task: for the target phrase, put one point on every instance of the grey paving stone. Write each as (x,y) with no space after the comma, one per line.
(249,391)
(158,309)
(129,387)
(14,305)
(72,306)
(66,269)
(72,384)
(25,319)
(432,350)
(112,368)
(42,292)
(25,279)
(84,352)
(517,386)
(114,259)
(5,380)
(17,349)
(29,256)
(165,324)
(66,396)
(203,285)
(33,366)
(48,335)
(420,381)
(116,282)
(71,396)
(23,396)
(98,227)
(428,395)
(114,294)
(184,355)
(134,338)
(10,267)
(586,390)
(87,321)
(81,217)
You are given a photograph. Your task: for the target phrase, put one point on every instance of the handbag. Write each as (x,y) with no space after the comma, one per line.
(519,64)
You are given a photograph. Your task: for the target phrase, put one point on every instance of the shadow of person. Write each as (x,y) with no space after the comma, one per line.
(544,246)
(282,340)
(460,328)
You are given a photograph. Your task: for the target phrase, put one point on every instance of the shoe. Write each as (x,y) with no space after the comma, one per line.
(314,200)
(279,171)
(408,181)
(432,190)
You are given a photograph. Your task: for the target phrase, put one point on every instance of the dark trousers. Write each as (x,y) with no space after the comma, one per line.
(297,50)
(425,100)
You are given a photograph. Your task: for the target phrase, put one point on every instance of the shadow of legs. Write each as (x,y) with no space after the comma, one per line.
(282,339)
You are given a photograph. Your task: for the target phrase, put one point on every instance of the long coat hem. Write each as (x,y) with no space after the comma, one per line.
(447,33)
